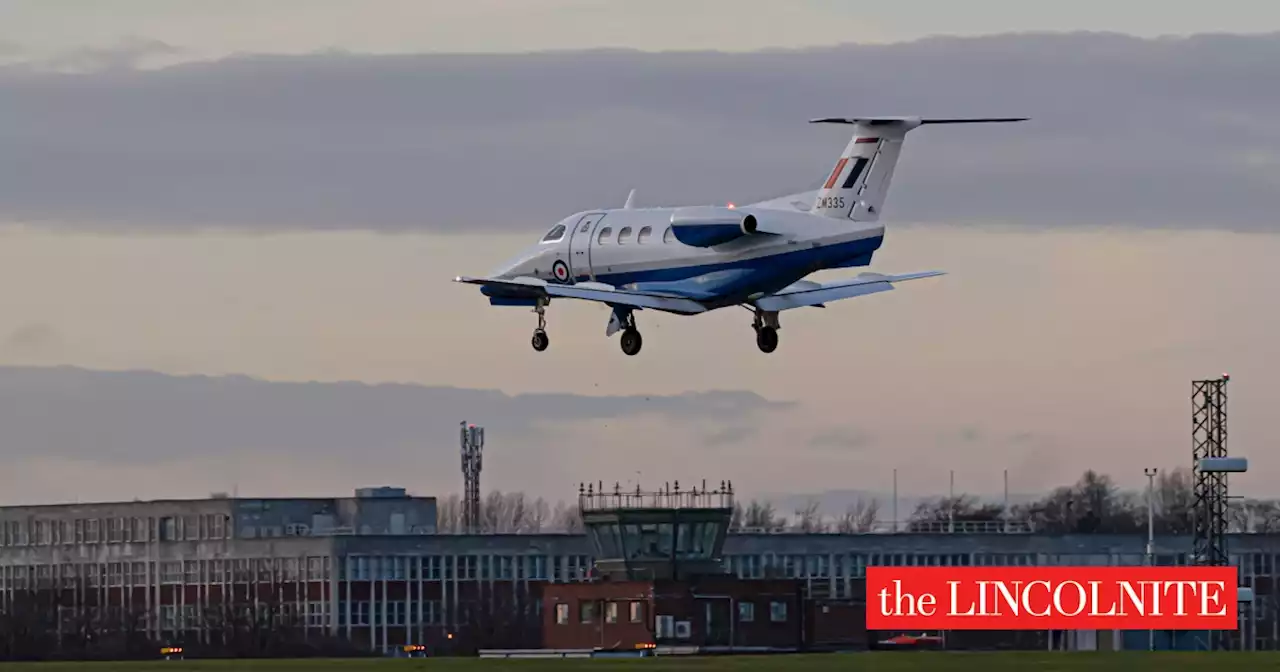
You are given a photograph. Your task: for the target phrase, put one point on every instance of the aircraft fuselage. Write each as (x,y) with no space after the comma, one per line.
(637,249)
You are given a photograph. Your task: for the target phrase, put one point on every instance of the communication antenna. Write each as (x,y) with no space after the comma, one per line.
(1211,464)
(472,447)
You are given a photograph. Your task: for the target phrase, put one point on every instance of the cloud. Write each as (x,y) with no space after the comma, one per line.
(514,142)
(128,53)
(730,435)
(33,336)
(148,418)
(841,438)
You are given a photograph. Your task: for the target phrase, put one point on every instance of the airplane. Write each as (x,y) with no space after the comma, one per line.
(692,260)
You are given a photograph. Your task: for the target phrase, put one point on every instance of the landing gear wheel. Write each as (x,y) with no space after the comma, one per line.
(767,339)
(631,341)
(540,340)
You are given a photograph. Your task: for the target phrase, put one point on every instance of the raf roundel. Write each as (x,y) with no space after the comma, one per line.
(560,271)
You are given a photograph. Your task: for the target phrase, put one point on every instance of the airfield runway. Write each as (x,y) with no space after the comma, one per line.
(906,661)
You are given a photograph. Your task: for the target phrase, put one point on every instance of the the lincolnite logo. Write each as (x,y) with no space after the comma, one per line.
(1051,598)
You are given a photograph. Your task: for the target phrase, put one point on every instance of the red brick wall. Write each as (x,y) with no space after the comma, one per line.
(621,634)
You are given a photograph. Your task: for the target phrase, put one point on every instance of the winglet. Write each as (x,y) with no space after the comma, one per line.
(631,197)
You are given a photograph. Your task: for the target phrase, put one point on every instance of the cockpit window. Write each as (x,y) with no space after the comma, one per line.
(554,234)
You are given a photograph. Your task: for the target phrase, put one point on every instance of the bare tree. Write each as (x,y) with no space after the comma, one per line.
(449,515)
(538,516)
(1174,501)
(961,508)
(809,518)
(567,519)
(859,517)
(761,515)
(1254,515)
(1093,504)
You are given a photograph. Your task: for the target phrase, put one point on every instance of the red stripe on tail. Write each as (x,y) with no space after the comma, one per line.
(835,173)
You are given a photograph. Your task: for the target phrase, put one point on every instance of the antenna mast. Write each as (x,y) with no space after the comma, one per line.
(472,447)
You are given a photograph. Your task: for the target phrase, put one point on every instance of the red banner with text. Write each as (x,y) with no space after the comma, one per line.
(1051,598)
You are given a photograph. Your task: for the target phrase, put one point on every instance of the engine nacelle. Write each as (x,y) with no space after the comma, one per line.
(709,226)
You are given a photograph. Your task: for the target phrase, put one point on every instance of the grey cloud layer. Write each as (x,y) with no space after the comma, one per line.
(141,417)
(1175,133)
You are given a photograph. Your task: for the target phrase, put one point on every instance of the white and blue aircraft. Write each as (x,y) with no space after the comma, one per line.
(692,260)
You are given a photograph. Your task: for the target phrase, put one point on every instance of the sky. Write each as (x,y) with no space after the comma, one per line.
(283,193)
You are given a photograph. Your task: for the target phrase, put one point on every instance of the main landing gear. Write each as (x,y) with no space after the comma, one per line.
(540,340)
(623,320)
(766,326)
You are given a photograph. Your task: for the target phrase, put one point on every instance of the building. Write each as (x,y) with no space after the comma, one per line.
(371,570)
(660,580)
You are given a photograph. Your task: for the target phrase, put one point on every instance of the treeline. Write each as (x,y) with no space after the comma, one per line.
(509,513)
(47,622)
(1093,504)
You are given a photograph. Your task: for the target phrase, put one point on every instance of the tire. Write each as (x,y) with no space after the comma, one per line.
(767,339)
(631,342)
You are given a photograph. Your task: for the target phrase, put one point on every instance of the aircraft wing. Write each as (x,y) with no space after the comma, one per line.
(800,202)
(809,293)
(589,291)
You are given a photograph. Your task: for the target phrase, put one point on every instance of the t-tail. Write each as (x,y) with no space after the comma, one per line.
(859,183)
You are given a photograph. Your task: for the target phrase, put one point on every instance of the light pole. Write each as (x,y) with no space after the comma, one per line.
(1151,525)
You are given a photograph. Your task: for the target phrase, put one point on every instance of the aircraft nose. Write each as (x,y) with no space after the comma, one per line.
(516,266)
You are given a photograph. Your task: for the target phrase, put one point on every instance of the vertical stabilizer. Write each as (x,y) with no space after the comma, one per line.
(858,184)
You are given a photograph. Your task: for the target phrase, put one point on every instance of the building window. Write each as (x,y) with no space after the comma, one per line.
(778,611)
(586,611)
(360,613)
(171,572)
(562,614)
(637,612)
(168,528)
(747,611)
(611,612)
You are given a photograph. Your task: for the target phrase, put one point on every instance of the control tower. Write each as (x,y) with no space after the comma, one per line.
(668,534)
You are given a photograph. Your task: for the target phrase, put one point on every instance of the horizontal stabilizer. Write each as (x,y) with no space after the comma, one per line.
(809,293)
(884,121)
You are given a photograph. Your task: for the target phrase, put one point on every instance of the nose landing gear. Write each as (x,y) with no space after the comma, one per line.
(540,341)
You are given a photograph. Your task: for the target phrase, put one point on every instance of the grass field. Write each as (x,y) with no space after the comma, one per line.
(878,662)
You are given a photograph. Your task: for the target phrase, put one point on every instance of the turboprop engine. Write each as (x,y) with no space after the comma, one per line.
(704,226)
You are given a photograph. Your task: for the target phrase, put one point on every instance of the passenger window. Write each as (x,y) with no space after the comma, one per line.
(604,235)
(554,234)
(643,236)
(624,235)
(668,236)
